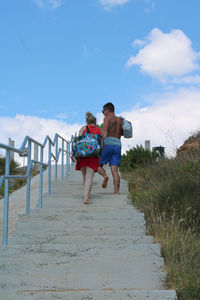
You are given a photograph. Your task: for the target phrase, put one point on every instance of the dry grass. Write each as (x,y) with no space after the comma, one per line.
(168,192)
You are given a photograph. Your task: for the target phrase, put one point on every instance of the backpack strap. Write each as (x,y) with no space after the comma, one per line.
(88,131)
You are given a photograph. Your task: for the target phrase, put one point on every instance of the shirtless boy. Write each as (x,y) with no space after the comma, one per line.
(112,132)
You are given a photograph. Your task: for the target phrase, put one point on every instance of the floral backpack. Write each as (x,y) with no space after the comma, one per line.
(87,145)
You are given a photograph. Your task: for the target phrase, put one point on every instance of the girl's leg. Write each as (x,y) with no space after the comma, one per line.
(83,171)
(88,184)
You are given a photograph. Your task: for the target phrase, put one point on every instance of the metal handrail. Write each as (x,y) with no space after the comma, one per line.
(64,150)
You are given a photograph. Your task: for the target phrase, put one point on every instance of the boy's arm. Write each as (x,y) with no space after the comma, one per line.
(105,129)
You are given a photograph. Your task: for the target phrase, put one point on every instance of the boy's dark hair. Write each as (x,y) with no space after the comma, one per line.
(109,106)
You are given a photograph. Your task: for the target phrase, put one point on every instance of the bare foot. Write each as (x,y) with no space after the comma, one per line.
(86,202)
(105,182)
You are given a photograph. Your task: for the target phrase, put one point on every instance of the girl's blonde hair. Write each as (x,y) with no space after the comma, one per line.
(90,119)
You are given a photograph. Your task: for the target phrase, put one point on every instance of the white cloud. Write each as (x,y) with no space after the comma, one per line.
(52,4)
(166,55)
(138,43)
(167,122)
(195,79)
(20,126)
(107,4)
(62,116)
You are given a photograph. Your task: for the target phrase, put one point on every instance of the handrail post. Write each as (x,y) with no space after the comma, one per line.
(41,178)
(70,147)
(62,171)
(66,160)
(56,153)
(28,185)
(49,169)
(6,199)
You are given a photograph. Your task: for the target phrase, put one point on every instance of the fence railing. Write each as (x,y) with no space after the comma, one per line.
(27,144)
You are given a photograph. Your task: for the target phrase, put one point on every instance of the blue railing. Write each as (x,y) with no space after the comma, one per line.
(28,142)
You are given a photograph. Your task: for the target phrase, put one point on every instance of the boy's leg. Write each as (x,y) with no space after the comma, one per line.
(88,184)
(116,178)
(114,166)
(103,173)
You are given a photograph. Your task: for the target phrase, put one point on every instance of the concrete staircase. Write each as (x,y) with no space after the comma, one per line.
(68,250)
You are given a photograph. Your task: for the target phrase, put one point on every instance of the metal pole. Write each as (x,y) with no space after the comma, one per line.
(41,178)
(66,170)
(68,158)
(70,146)
(56,163)
(49,170)
(6,199)
(62,171)
(28,185)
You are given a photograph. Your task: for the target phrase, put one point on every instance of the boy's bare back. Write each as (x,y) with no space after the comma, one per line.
(113,126)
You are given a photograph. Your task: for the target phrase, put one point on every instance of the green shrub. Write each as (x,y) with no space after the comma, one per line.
(13,166)
(21,182)
(137,157)
(2,191)
(14,169)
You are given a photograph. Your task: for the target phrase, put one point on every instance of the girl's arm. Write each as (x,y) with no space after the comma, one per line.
(81,130)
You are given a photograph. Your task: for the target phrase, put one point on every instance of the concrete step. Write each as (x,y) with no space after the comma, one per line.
(82,225)
(61,279)
(82,211)
(43,229)
(83,247)
(65,235)
(100,217)
(84,294)
(68,239)
(82,267)
(58,253)
(43,275)
(79,202)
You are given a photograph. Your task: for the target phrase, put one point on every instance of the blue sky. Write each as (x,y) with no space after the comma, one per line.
(61,58)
